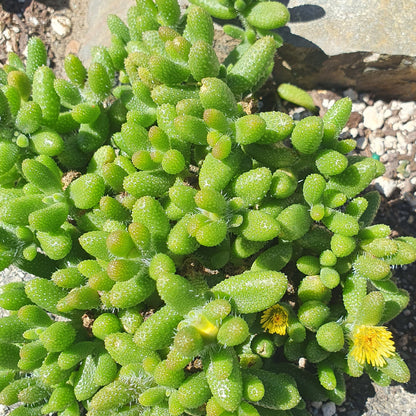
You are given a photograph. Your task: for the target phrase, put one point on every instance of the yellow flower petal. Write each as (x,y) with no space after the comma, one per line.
(372,344)
(275,320)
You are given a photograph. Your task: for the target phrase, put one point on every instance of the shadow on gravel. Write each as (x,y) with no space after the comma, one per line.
(55,4)
(359,390)
(15,6)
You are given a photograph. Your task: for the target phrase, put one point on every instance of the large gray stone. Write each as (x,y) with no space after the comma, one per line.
(97,32)
(346,26)
(369,45)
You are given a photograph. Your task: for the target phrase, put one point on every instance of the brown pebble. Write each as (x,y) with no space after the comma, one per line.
(388,131)
(72,47)
(354,120)
(411,137)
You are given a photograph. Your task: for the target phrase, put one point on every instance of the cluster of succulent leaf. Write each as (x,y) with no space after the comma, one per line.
(187,255)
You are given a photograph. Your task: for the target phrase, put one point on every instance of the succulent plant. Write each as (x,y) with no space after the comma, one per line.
(187,256)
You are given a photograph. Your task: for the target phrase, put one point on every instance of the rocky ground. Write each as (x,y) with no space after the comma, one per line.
(382,129)
(59,23)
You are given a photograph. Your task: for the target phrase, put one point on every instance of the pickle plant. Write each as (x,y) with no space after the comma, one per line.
(188,258)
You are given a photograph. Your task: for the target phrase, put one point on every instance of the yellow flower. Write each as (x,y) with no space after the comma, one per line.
(275,320)
(372,344)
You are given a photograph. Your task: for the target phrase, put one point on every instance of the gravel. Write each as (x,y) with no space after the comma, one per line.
(385,131)
(373,118)
(59,23)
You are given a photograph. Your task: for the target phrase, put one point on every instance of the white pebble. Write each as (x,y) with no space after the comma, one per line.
(402,149)
(390,142)
(366,98)
(404,116)
(327,103)
(374,57)
(329,409)
(377,146)
(395,105)
(392,120)
(61,25)
(409,108)
(401,143)
(9,46)
(302,362)
(378,104)
(33,20)
(385,158)
(358,107)
(373,119)
(354,132)
(385,185)
(397,126)
(388,113)
(401,137)
(410,126)
(6,33)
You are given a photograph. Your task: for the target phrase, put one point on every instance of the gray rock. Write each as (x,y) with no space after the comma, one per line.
(366,45)
(329,409)
(347,26)
(392,400)
(97,32)
(362,142)
(351,94)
